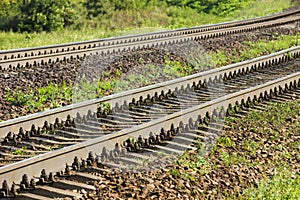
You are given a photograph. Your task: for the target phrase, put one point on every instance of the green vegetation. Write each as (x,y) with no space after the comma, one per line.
(283,185)
(20,152)
(260,9)
(194,165)
(278,126)
(176,69)
(42,22)
(255,49)
(44,98)
(37,15)
(273,120)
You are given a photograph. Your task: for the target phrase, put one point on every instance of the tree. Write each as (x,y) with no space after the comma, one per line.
(43,15)
(8,12)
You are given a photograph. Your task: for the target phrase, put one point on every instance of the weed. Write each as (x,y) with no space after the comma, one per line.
(105,107)
(284,185)
(250,145)
(20,151)
(254,49)
(118,73)
(175,172)
(19,98)
(47,132)
(37,100)
(140,60)
(225,157)
(225,141)
(131,140)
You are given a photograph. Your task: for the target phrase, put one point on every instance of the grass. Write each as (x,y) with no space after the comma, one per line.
(194,164)
(141,22)
(275,118)
(255,49)
(283,185)
(280,120)
(264,7)
(51,96)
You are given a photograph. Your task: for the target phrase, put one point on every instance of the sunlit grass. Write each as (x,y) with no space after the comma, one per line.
(255,49)
(284,185)
(263,7)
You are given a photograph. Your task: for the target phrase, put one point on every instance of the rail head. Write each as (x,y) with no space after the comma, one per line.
(43,57)
(106,46)
(26,52)
(14,172)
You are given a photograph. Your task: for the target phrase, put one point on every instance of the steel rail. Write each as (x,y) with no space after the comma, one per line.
(54,161)
(140,152)
(66,133)
(117,101)
(140,156)
(9,54)
(111,45)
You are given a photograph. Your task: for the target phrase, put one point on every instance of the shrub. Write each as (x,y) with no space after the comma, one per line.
(43,15)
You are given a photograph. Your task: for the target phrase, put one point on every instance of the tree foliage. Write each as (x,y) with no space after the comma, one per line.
(106,7)
(8,12)
(49,15)
(36,15)
(41,15)
(218,7)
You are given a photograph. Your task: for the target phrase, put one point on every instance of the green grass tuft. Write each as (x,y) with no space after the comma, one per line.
(284,185)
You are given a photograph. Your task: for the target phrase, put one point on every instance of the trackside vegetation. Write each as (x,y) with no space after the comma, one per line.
(28,23)
(255,49)
(283,185)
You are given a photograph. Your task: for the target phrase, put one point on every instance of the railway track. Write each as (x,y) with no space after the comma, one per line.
(77,177)
(150,115)
(13,59)
(167,117)
(123,99)
(16,147)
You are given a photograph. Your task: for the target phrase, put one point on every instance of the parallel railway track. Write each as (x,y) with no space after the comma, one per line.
(85,162)
(123,99)
(13,59)
(98,124)
(164,117)
(165,110)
